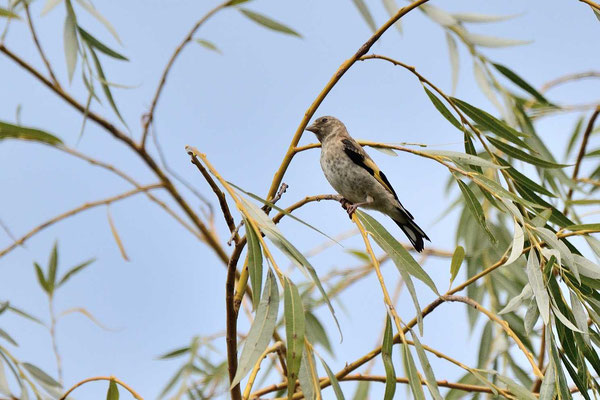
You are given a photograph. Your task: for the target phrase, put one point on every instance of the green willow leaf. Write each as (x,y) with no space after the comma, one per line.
(41,376)
(268,22)
(574,136)
(524,180)
(175,353)
(395,250)
(4,388)
(414,381)
(386,356)
(470,149)
(8,14)
(294,329)
(113,391)
(362,390)
(101,47)
(442,109)
(490,122)
(365,13)
(458,157)
(485,345)
(52,267)
(457,260)
(520,82)
(517,244)
(7,337)
(208,45)
(392,8)
(307,376)
(536,280)
(76,269)
(339,395)
(41,279)
(10,131)
(105,87)
(519,391)
(523,156)
(583,227)
(482,18)
(315,332)
(475,208)
(454,59)
(255,262)
(236,2)
(548,388)
(430,380)
(70,40)
(262,329)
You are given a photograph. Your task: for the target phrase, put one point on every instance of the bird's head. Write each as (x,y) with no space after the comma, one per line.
(323,127)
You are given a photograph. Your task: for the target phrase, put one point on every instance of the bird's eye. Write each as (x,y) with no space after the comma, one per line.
(324,120)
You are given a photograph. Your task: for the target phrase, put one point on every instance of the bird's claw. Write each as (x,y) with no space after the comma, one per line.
(349,207)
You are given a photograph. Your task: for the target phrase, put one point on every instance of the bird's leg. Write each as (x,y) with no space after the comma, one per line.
(351,208)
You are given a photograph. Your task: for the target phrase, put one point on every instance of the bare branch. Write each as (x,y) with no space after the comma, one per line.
(37,43)
(148,118)
(568,78)
(103,378)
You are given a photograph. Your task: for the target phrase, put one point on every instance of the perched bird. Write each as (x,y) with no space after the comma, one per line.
(355,176)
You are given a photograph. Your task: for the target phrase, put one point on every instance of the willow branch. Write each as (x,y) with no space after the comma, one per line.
(220,196)
(346,65)
(210,238)
(568,78)
(443,383)
(188,38)
(275,348)
(591,4)
(582,149)
(103,378)
(231,335)
(37,43)
(83,207)
(130,180)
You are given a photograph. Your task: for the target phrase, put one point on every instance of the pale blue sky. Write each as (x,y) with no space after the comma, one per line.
(241,108)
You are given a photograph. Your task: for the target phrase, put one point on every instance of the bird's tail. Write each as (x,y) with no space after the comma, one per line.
(413,232)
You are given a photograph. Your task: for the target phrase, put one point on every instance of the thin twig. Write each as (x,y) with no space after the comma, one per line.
(37,43)
(231,337)
(346,65)
(149,117)
(83,207)
(220,196)
(103,378)
(53,337)
(568,78)
(275,348)
(581,154)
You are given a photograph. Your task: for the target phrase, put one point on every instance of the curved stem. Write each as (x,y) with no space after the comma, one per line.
(346,65)
(37,43)
(103,378)
(150,116)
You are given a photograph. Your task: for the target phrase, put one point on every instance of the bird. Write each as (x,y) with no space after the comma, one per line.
(356,177)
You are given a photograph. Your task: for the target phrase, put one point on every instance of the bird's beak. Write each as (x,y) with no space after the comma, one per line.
(312,128)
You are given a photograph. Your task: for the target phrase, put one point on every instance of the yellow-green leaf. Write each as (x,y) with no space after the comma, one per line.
(10,131)
(457,259)
(113,391)
(294,329)
(255,262)
(268,22)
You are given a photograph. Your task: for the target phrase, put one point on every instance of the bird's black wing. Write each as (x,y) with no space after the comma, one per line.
(359,157)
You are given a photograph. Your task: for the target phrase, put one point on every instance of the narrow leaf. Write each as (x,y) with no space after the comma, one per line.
(523,156)
(475,208)
(41,376)
(74,270)
(49,6)
(113,391)
(70,40)
(454,60)
(208,45)
(294,328)
(412,374)
(457,259)
(517,244)
(392,8)
(116,236)
(105,88)
(268,22)
(52,267)
(430,380)
(262,328)
(548,388)
(95,43)
(520,82)
(491,41)
(96,14)
(365,13)
(515,302)
(482,18)
(536,280)
(40,277)
(20,132)
(255,262)
(386,356)
(8,14)
(7,337)
(442,109)
(339,395)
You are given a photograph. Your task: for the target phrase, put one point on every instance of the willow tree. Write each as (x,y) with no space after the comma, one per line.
(522,241)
